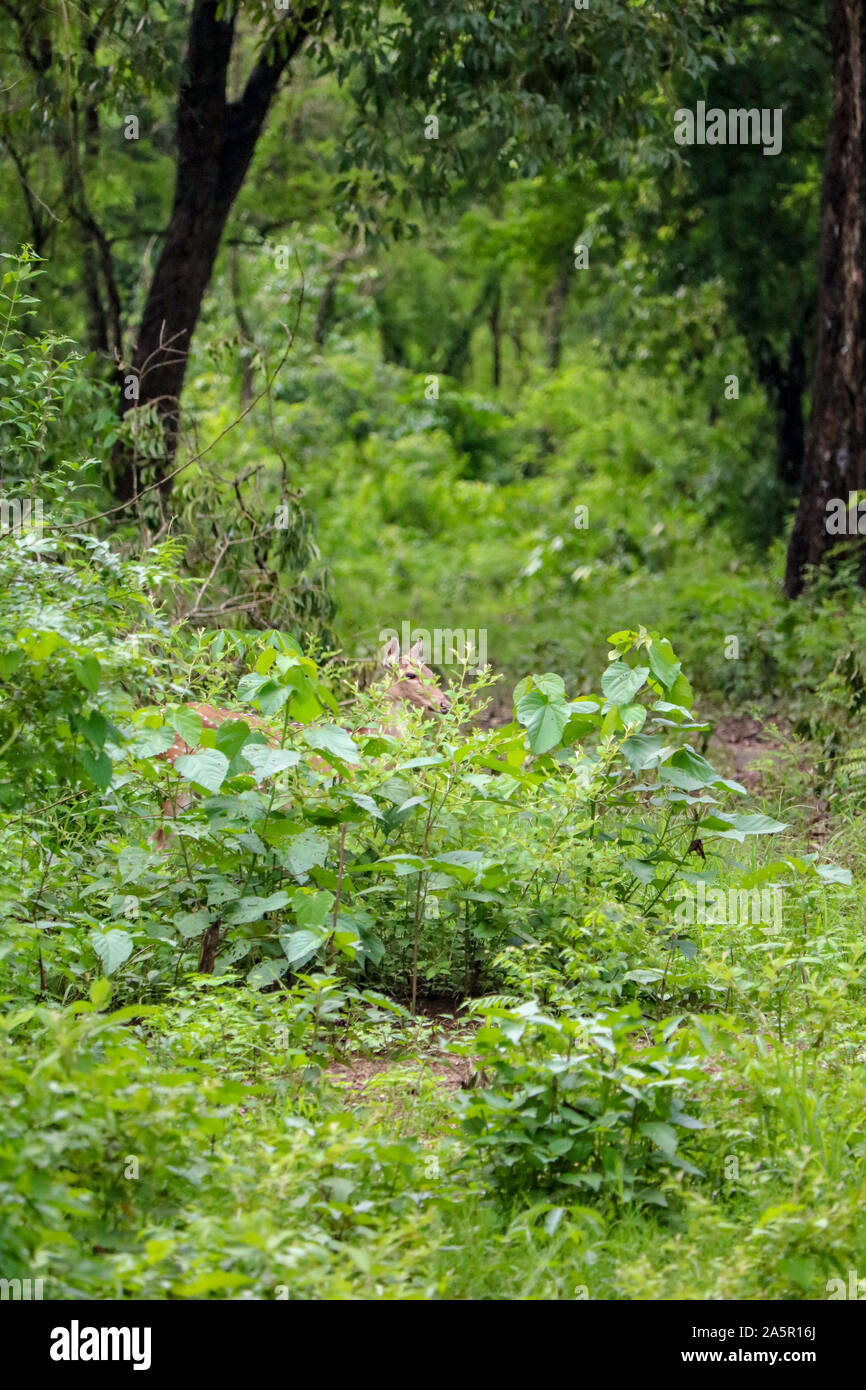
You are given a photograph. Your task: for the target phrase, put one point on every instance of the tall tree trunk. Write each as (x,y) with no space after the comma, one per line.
(216,139)
(784,383)
(835,461)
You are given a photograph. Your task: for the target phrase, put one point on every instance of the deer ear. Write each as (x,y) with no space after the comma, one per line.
(416,653)
(391,655)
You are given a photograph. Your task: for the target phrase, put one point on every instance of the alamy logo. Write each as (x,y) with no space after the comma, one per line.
(734,127)
(845,518)
(736,908)
(21,1289)
(75,1343)
(856,1288)
(21,516)
(444,646)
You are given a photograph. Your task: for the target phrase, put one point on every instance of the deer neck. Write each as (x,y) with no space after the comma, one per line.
(395,726)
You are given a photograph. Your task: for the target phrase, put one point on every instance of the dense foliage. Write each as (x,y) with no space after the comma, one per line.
(560,992)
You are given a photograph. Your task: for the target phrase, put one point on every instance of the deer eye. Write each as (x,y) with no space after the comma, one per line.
(411,676)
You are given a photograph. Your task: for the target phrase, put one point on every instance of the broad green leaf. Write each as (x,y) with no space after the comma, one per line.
(191,924)
(229,738)
(544,716)
(743,825)
(208,768)
(100,992)
(330,738)
(88,671)
(301,946)
(306,851)
(663,1136)
(149,743)
(133,863)
(253,909)
(366,803)
(267,762)
(633,716)
(663,663)
(642,750)
(113,948)
(313,909)
(267,972)
(620,683)
(98,767)
(834,873)
(187,723)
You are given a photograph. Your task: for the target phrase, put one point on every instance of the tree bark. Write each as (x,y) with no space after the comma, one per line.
(784,382)
(216,139)
(835,461)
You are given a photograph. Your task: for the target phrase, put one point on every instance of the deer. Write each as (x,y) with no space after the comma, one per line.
(408,681)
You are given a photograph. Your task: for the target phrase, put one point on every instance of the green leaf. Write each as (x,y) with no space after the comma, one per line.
(191,924)
(663,1136)
(100,992)
(727,826)
(620,683)
(208,768)
(301,946)
(633,716)
(98,767)
(834,873)
(267,972)
(230,737)
(187,723)
(253,909)
(133,863)
(690,771)
(313,909)
(663,663)
(330,738)
(267,762)
(87,670)
(681,694)
(306,851)
(113,948)
(544,714)
(149,743)
(642,750)
(366,803)
(267,693)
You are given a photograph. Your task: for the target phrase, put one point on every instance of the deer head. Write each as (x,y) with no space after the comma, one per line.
(410,681)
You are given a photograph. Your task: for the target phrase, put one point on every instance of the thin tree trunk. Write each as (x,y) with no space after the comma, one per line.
(835,461)
(556,310)
(245,337)
(216,139)
(327,304)
(457,355)
(495,322)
